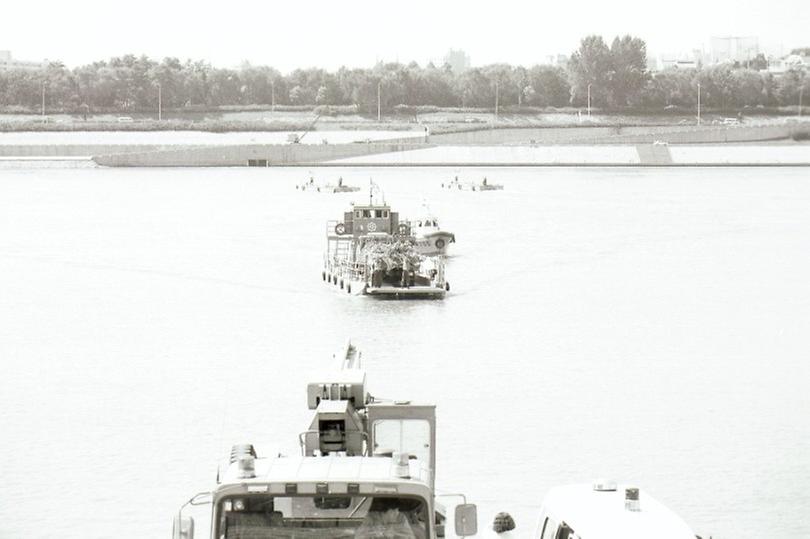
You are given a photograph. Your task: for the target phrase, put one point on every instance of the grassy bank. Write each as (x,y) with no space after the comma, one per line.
(299,119)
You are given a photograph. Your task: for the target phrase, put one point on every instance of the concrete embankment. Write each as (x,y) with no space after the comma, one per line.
(602,155)
(616,135)
(427,155)
(73,150)
(575,146)
(252,155)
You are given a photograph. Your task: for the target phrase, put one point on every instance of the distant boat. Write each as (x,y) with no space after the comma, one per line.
(337,187)
(371,252)
(484,185)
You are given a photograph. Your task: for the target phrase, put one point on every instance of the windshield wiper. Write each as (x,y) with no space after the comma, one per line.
(359,505)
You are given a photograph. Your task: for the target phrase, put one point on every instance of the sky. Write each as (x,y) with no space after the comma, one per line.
(329,34)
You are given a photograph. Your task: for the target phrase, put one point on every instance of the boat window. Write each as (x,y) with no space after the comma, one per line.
(385,214)
(357,214)
(366,213)
(320,517)
(549,529)
(404,436)
(564,532)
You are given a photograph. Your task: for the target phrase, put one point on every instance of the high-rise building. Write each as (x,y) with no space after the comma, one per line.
(458,60)
(7,63)
(734,49)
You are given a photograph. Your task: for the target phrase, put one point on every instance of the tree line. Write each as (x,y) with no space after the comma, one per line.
(616,75)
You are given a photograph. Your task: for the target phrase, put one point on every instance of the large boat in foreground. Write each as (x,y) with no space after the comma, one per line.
(367,469)
(371,252)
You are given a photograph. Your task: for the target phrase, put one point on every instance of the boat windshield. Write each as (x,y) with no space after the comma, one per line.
(322,517)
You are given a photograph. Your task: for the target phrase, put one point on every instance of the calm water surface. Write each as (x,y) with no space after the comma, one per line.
(646,325)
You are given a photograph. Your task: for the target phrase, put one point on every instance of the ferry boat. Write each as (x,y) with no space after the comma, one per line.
(371,252)
(430,238)
(607,510)
(366,469)
(484,185)
(338,187)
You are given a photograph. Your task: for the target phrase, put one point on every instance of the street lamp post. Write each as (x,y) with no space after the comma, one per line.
(698,118)
(497,95)
(589,101)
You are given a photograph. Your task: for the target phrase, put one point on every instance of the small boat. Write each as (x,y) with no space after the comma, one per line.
(337,187)
(484,185)
(430,238)
(606,510)
(371,252)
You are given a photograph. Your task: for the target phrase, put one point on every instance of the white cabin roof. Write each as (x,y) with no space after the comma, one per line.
(602,515)
(322,469)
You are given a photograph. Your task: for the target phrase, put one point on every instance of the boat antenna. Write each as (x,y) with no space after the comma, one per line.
(374,187)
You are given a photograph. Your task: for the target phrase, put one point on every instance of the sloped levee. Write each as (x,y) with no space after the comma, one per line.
(654,154)
(74,150)
(250,155)
(615,134)
(593,155)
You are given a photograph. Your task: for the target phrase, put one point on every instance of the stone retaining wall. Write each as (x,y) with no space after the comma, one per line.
(243,155)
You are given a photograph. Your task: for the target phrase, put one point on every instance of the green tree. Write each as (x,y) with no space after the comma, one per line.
(628,73)
(549,86)
(591,65)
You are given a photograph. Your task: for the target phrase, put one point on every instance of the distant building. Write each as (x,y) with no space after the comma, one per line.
(7,63)
(680,60)
(792,62)
(458,60)
(558,60)
(678,63)
(734,49)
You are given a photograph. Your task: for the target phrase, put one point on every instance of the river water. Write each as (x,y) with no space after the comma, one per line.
(648,325)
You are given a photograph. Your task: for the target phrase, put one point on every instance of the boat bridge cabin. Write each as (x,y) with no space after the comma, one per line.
(370,219)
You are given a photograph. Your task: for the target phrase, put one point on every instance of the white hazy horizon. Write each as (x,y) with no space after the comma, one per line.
(360,33)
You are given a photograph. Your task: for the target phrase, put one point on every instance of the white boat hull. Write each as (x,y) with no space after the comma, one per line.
(402,292)
(434,243)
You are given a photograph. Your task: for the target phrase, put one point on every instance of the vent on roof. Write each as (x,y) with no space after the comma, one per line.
(242,449)
(631,501)
(604,485)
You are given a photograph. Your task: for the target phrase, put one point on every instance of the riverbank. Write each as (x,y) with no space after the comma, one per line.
(515,146)
(411,154)
(437,120)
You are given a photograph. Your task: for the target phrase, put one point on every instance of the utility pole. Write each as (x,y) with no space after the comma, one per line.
(698,118)
(160,103)
(379,100)
(589,101)
(496,101)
